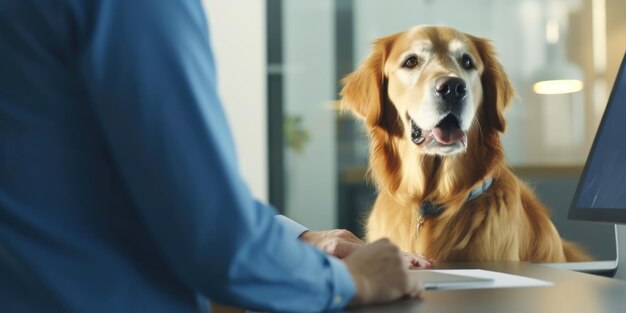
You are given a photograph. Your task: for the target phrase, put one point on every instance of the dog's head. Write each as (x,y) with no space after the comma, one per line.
(431,86)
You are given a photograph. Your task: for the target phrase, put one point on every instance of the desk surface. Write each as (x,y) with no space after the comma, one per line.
(572,292)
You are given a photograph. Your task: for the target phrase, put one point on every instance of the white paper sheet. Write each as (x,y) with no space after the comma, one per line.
(500,280)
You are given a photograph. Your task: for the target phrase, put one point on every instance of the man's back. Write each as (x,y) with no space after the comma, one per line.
(119,189)
(65,214)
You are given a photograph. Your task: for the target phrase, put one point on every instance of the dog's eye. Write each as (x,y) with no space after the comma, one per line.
(410,63)
(466,62)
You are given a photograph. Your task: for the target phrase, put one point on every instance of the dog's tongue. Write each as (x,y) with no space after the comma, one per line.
(448,131)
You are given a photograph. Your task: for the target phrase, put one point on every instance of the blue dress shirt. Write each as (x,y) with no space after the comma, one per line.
(119,187)
(292,226)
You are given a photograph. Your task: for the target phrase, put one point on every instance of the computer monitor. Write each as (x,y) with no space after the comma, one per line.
(601,192)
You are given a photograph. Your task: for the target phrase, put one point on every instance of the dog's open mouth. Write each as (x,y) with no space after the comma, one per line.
(447,132)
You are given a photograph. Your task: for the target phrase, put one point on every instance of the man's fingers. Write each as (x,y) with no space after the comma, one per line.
(381,273)
(352,236)
(415,287)
(339,242)
(355,239)
(346,234)
(340,247)
(344,249)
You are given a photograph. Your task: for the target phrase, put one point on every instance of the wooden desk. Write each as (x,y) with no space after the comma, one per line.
(572,292)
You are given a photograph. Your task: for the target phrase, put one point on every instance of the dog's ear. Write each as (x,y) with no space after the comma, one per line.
(497,89)
(364,90)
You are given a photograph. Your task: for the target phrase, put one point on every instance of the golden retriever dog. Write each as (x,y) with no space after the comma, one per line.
(432,101)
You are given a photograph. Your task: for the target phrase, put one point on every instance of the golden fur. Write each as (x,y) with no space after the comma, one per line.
(507,222)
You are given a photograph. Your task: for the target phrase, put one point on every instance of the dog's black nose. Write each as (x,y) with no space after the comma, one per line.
(450,88)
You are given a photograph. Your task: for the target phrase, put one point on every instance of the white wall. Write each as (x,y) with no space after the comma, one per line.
(239,45)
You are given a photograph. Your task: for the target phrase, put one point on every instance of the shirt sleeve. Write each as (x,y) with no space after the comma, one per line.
(293,227)
(148,71)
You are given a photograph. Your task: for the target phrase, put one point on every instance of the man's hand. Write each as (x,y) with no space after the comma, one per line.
(339,242)
(380,274)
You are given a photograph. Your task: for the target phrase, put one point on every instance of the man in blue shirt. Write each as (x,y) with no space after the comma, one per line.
(119,187)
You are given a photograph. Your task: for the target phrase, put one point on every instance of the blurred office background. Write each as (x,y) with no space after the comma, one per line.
(280,63)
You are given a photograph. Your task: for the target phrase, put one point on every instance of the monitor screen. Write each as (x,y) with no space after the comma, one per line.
(601,191)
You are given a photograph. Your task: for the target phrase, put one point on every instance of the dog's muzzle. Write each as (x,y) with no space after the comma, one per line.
(447,132)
